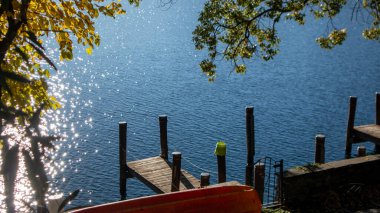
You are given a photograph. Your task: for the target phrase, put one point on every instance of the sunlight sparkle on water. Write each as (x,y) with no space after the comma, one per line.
(53,123)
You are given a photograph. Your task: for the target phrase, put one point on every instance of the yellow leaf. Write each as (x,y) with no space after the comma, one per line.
(89,50)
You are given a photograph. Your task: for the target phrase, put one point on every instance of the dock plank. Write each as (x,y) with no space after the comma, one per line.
(368,133)
(156,173)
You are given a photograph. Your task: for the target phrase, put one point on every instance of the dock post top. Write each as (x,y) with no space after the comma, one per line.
(162,117)
(205,174)
(249,109)
(260,165)
(353,97)
(205,179)
(176,153)
(361,151)
(320,137)
(122,123)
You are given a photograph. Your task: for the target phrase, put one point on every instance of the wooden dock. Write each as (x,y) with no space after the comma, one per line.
(156,173)
(358,134)
(164,176)
(369,132)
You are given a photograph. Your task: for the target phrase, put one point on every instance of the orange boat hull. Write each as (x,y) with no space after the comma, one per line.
(212,199)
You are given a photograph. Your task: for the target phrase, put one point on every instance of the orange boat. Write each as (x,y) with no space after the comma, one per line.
(211,199)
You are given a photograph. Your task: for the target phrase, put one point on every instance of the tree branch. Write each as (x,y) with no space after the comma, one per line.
(13,26)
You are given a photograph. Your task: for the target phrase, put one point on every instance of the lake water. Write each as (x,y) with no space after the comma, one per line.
(147,65)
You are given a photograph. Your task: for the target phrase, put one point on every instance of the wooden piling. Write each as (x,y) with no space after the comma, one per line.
(260,179)
(378,108)
(205,179)
(361,151)
(123,159)
(281,182)
(320,149)
(350,126)
(220,152)
(250,134)
(176,171)
(377,147)
(163,119)
(221,169)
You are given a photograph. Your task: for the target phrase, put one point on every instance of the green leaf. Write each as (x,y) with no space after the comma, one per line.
(4,84)
(24,56)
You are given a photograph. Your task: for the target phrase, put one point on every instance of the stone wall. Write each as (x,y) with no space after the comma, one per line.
(330,186)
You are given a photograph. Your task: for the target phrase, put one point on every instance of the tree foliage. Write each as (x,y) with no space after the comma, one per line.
(239,29)
(24,24)
(24,69)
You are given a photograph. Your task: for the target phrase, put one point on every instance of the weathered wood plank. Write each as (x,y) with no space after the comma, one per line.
(145,161)
(156,173)
(146,182)
(152,169)
(368,133)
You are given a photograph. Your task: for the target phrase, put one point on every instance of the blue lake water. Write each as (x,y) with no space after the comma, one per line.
(147,65)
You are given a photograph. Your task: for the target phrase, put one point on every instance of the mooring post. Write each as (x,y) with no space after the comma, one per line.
(260,179)
(123,159)
(176,171)
(377,147)
(320,149)
(220,152)
(350,125)
(378,108)
(250,132)
(205,179)
(163,119)
(281,182)
(361,151)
